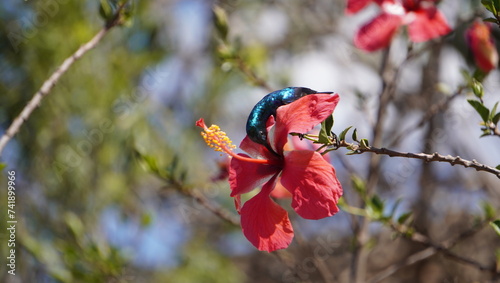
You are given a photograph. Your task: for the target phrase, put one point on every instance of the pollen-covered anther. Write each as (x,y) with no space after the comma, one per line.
(217,139)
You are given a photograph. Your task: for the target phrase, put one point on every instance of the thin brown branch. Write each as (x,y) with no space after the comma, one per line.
(495,131)
(445,247)
(322,268)
(54,78)
(212,207)
(412,259)
(432,249)
(358,270)
(173,184)
(435,157)
(251,75)
(436,108)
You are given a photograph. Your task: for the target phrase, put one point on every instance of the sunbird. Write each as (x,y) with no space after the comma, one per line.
(267,106)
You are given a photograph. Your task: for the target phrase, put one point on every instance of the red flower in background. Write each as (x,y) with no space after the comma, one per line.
(310,179)
(423,19)
(482,46)
(354,6)
(223,170)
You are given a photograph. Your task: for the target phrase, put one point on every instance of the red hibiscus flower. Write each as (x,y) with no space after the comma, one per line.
(354,6)
(482,46)
(310,179)
(423,19)
(280,192)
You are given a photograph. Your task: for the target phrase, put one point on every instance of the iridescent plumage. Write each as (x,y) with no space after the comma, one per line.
(267,106)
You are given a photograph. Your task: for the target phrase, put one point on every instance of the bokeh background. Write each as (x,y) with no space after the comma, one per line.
(104,164)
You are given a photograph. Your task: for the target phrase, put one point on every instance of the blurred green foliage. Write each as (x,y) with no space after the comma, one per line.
(75,157)
(124,114)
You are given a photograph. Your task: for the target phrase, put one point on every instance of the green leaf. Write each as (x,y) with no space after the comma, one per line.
(221,23)
(489,211)
(496,5)
(343,133)
(146,219)
(109,8)
(173,165)
(183,176)
(364,143)
(490,20)
(479,76)
(151,162)
(355,135)
(127,14)
(498,167)
(358,185)
(486,3)
(489,5)
(341,202)
(326,128)
(375,207)
(377,203)
(2,166)
(496,118)
(493,111)
(404,217)
(329,123)
(226,52)
(467,77)
(75,224)
(480,108)
(485,133)
(496,226)
(323,137)
(106,10)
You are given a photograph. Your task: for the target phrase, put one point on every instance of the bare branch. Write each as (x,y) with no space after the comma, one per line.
(251,75)
(414,258)
(54,78)
(214,208)
(177,185)
(432,249)
(358,270)
(495,131)
(436,108)
(453,160)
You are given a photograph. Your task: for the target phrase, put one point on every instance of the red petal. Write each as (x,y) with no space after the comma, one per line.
(256,150)
(313,184)
(428,24)
(265,224)
(354,6)
(301,116)
(237,203)
(299,144)
(280,191)
(245,176)
(378,33)
(483,47)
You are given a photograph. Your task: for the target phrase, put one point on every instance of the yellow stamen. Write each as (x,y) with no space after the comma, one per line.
(218,140)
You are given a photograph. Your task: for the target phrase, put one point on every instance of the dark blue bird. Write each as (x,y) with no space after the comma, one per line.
(267,106)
